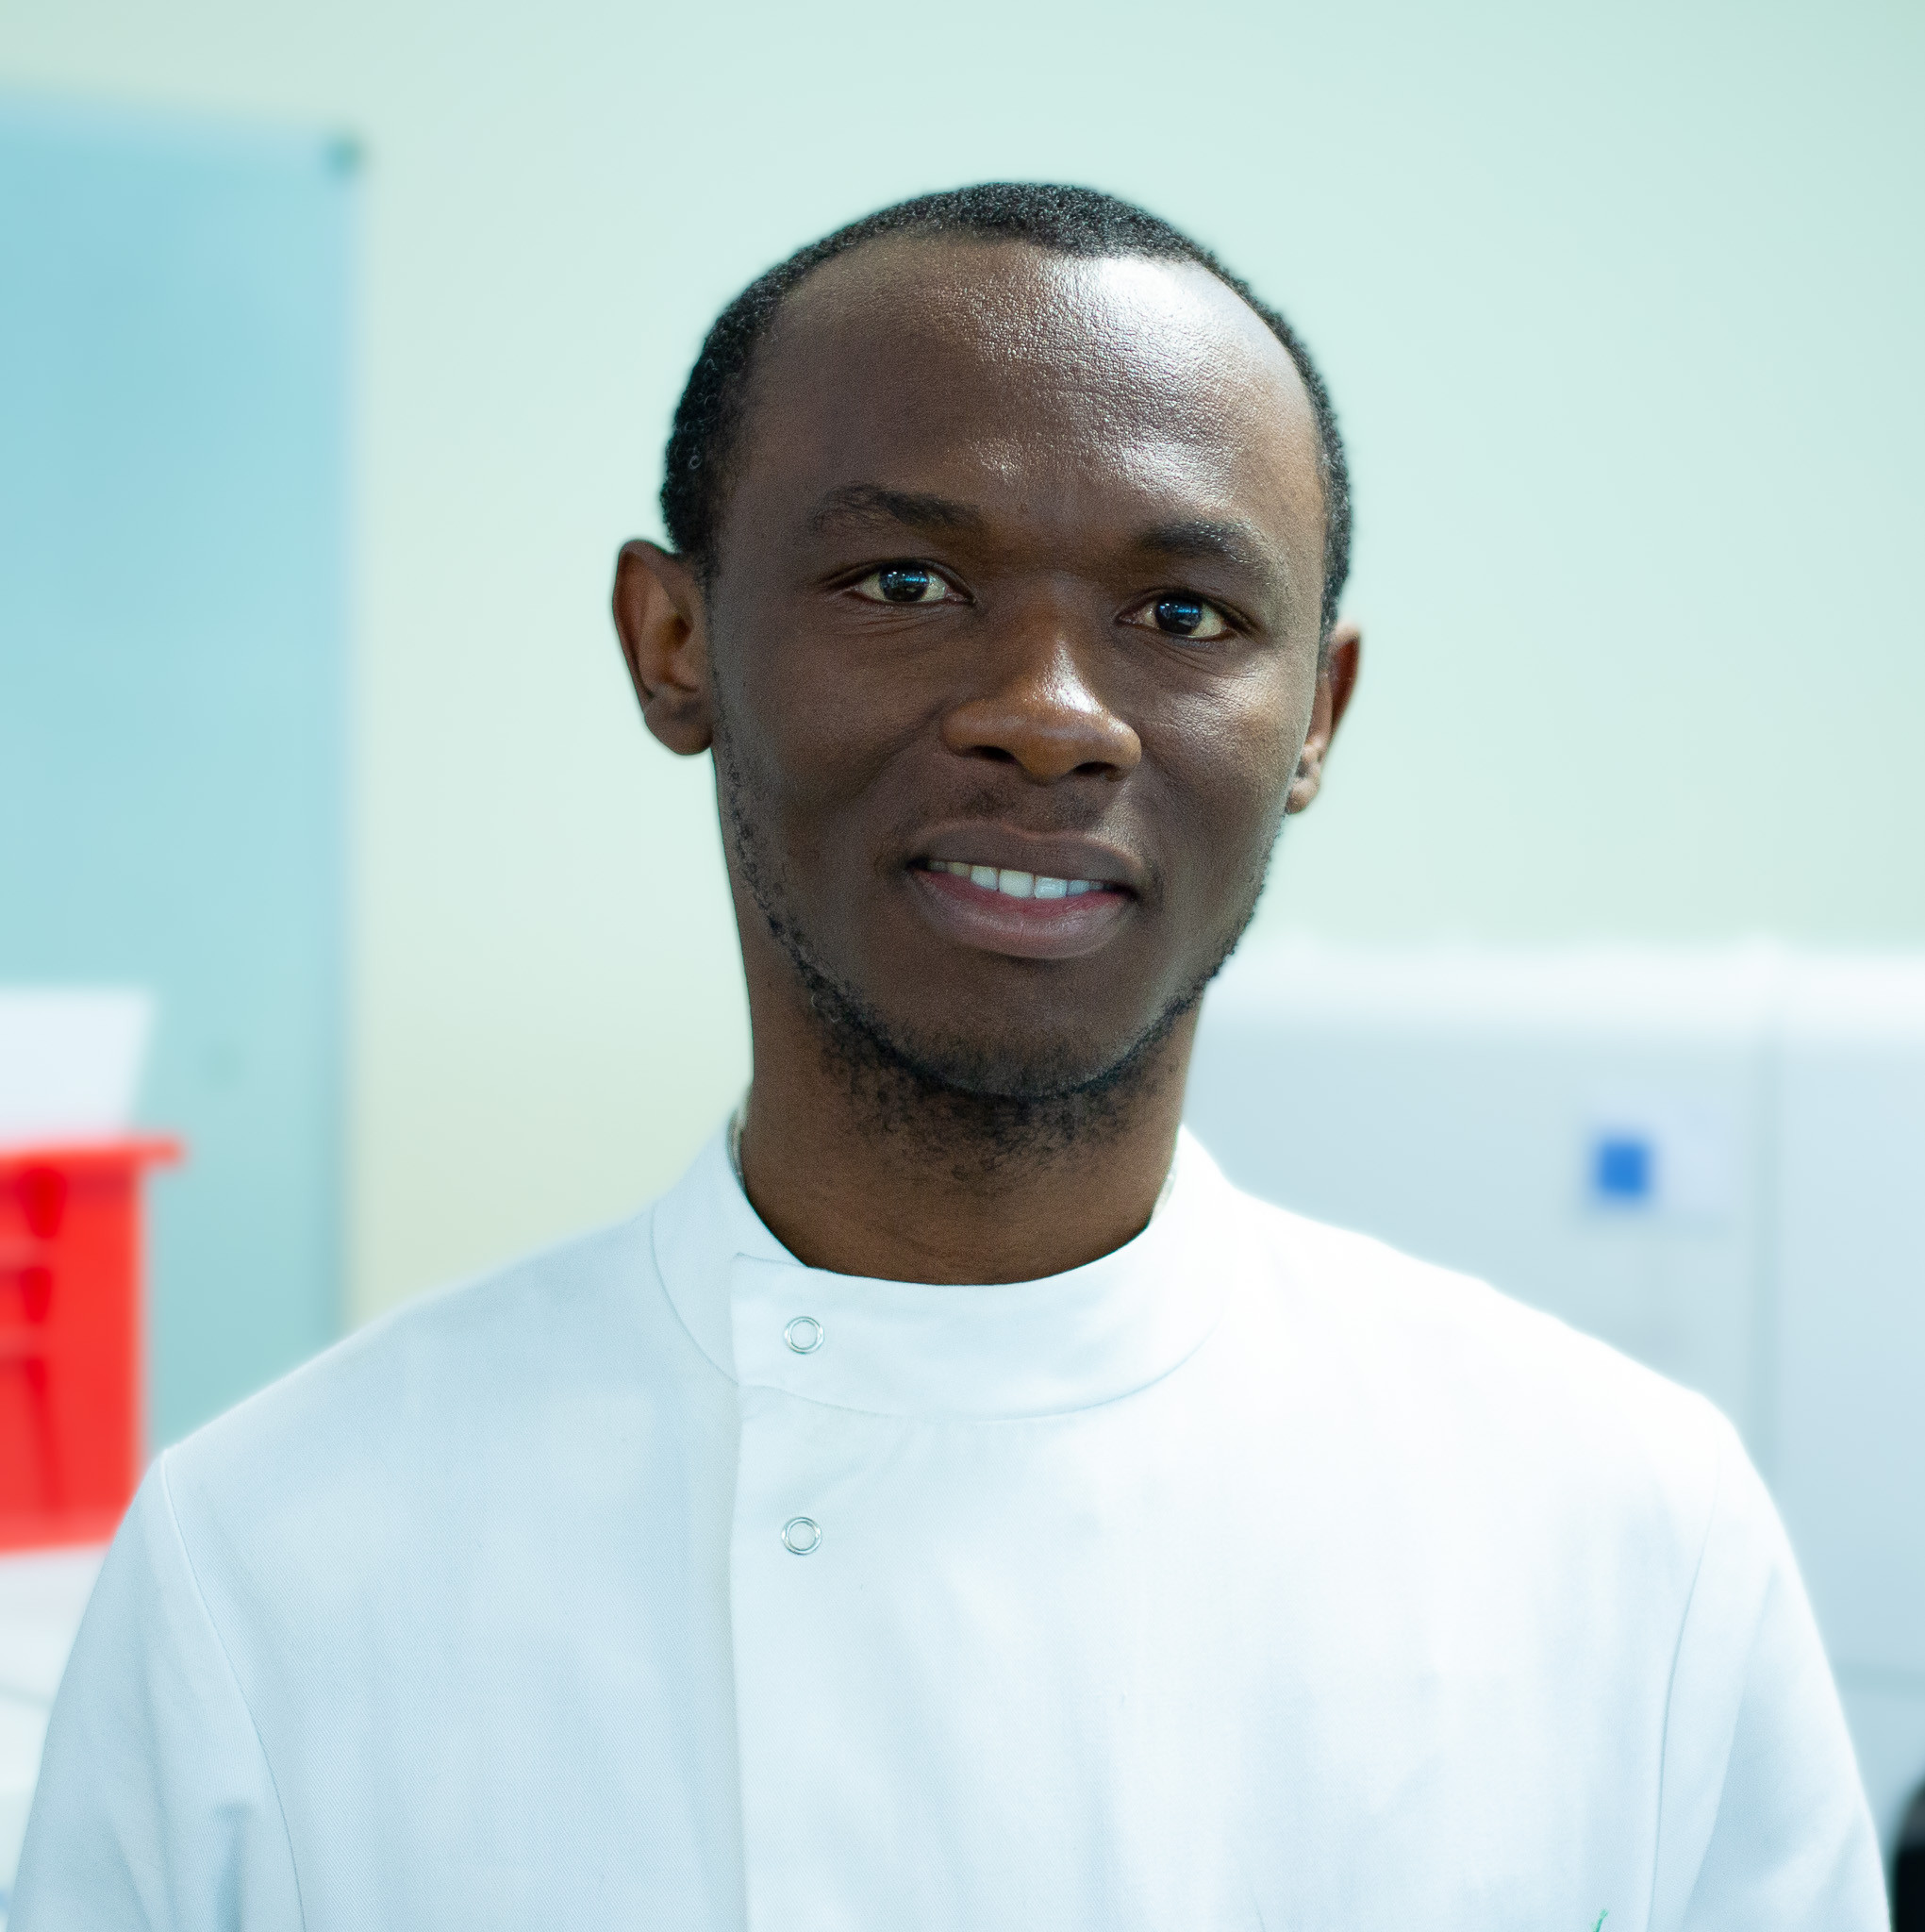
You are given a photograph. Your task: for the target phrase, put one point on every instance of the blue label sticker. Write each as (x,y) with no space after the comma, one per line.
(1622,1168)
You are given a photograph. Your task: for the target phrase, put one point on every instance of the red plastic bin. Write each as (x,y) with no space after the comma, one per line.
(70,1338)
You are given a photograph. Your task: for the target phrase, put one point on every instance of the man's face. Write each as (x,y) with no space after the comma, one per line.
(1012,647)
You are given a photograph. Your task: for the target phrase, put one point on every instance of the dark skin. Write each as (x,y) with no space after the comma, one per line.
(1020,574)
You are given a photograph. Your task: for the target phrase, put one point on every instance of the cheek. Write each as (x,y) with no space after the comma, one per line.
(1233,763)
(811,746)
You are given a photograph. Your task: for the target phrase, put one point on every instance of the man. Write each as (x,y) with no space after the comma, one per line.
(952,1505)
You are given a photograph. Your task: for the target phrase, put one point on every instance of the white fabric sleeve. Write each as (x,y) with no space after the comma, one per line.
(1764,1824)
(155,1806)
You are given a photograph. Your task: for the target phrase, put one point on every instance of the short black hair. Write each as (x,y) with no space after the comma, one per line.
(1063,220)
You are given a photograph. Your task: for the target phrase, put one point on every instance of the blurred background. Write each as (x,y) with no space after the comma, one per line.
(337,349)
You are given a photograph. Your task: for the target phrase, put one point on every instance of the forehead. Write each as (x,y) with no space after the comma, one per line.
(967,366)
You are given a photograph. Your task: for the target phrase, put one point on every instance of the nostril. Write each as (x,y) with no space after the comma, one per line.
(1047,733)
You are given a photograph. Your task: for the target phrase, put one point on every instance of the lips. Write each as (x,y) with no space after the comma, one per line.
(1001,891)
(984,845)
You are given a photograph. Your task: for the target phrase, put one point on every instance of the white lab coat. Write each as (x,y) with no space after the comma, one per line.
(1252,1577)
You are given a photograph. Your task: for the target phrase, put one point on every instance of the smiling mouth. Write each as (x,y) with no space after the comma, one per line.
(1012,884)
(1021,915)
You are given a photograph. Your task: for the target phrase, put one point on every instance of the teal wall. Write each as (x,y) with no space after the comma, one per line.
(172,389)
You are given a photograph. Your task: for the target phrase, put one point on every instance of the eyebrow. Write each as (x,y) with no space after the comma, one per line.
(1209,539)
(871,503)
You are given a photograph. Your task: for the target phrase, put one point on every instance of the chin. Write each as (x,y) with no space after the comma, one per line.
(1009,1069)
(977,1105)
(1007,1065)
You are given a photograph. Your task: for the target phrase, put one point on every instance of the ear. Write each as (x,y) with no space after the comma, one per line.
(1336,680)
(660,616)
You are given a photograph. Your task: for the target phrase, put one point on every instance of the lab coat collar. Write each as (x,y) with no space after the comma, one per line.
(1029,1348)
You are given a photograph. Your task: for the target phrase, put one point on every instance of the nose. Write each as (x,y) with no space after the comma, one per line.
(1044,718)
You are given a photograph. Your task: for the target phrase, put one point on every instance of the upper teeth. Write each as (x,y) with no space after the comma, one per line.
(1015,884)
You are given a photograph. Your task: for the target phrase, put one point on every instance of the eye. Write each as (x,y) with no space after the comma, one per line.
(904,583)
(1178,614)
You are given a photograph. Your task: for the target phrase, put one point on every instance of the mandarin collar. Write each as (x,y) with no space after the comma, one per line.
(1001,1352)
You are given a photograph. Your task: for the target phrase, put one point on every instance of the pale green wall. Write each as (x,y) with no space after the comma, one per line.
(1622,305)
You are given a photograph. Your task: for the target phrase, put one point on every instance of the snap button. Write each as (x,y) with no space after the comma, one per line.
(802,1536)
(804,1335)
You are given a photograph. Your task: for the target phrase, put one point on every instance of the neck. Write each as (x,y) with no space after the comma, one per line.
(863,1171)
